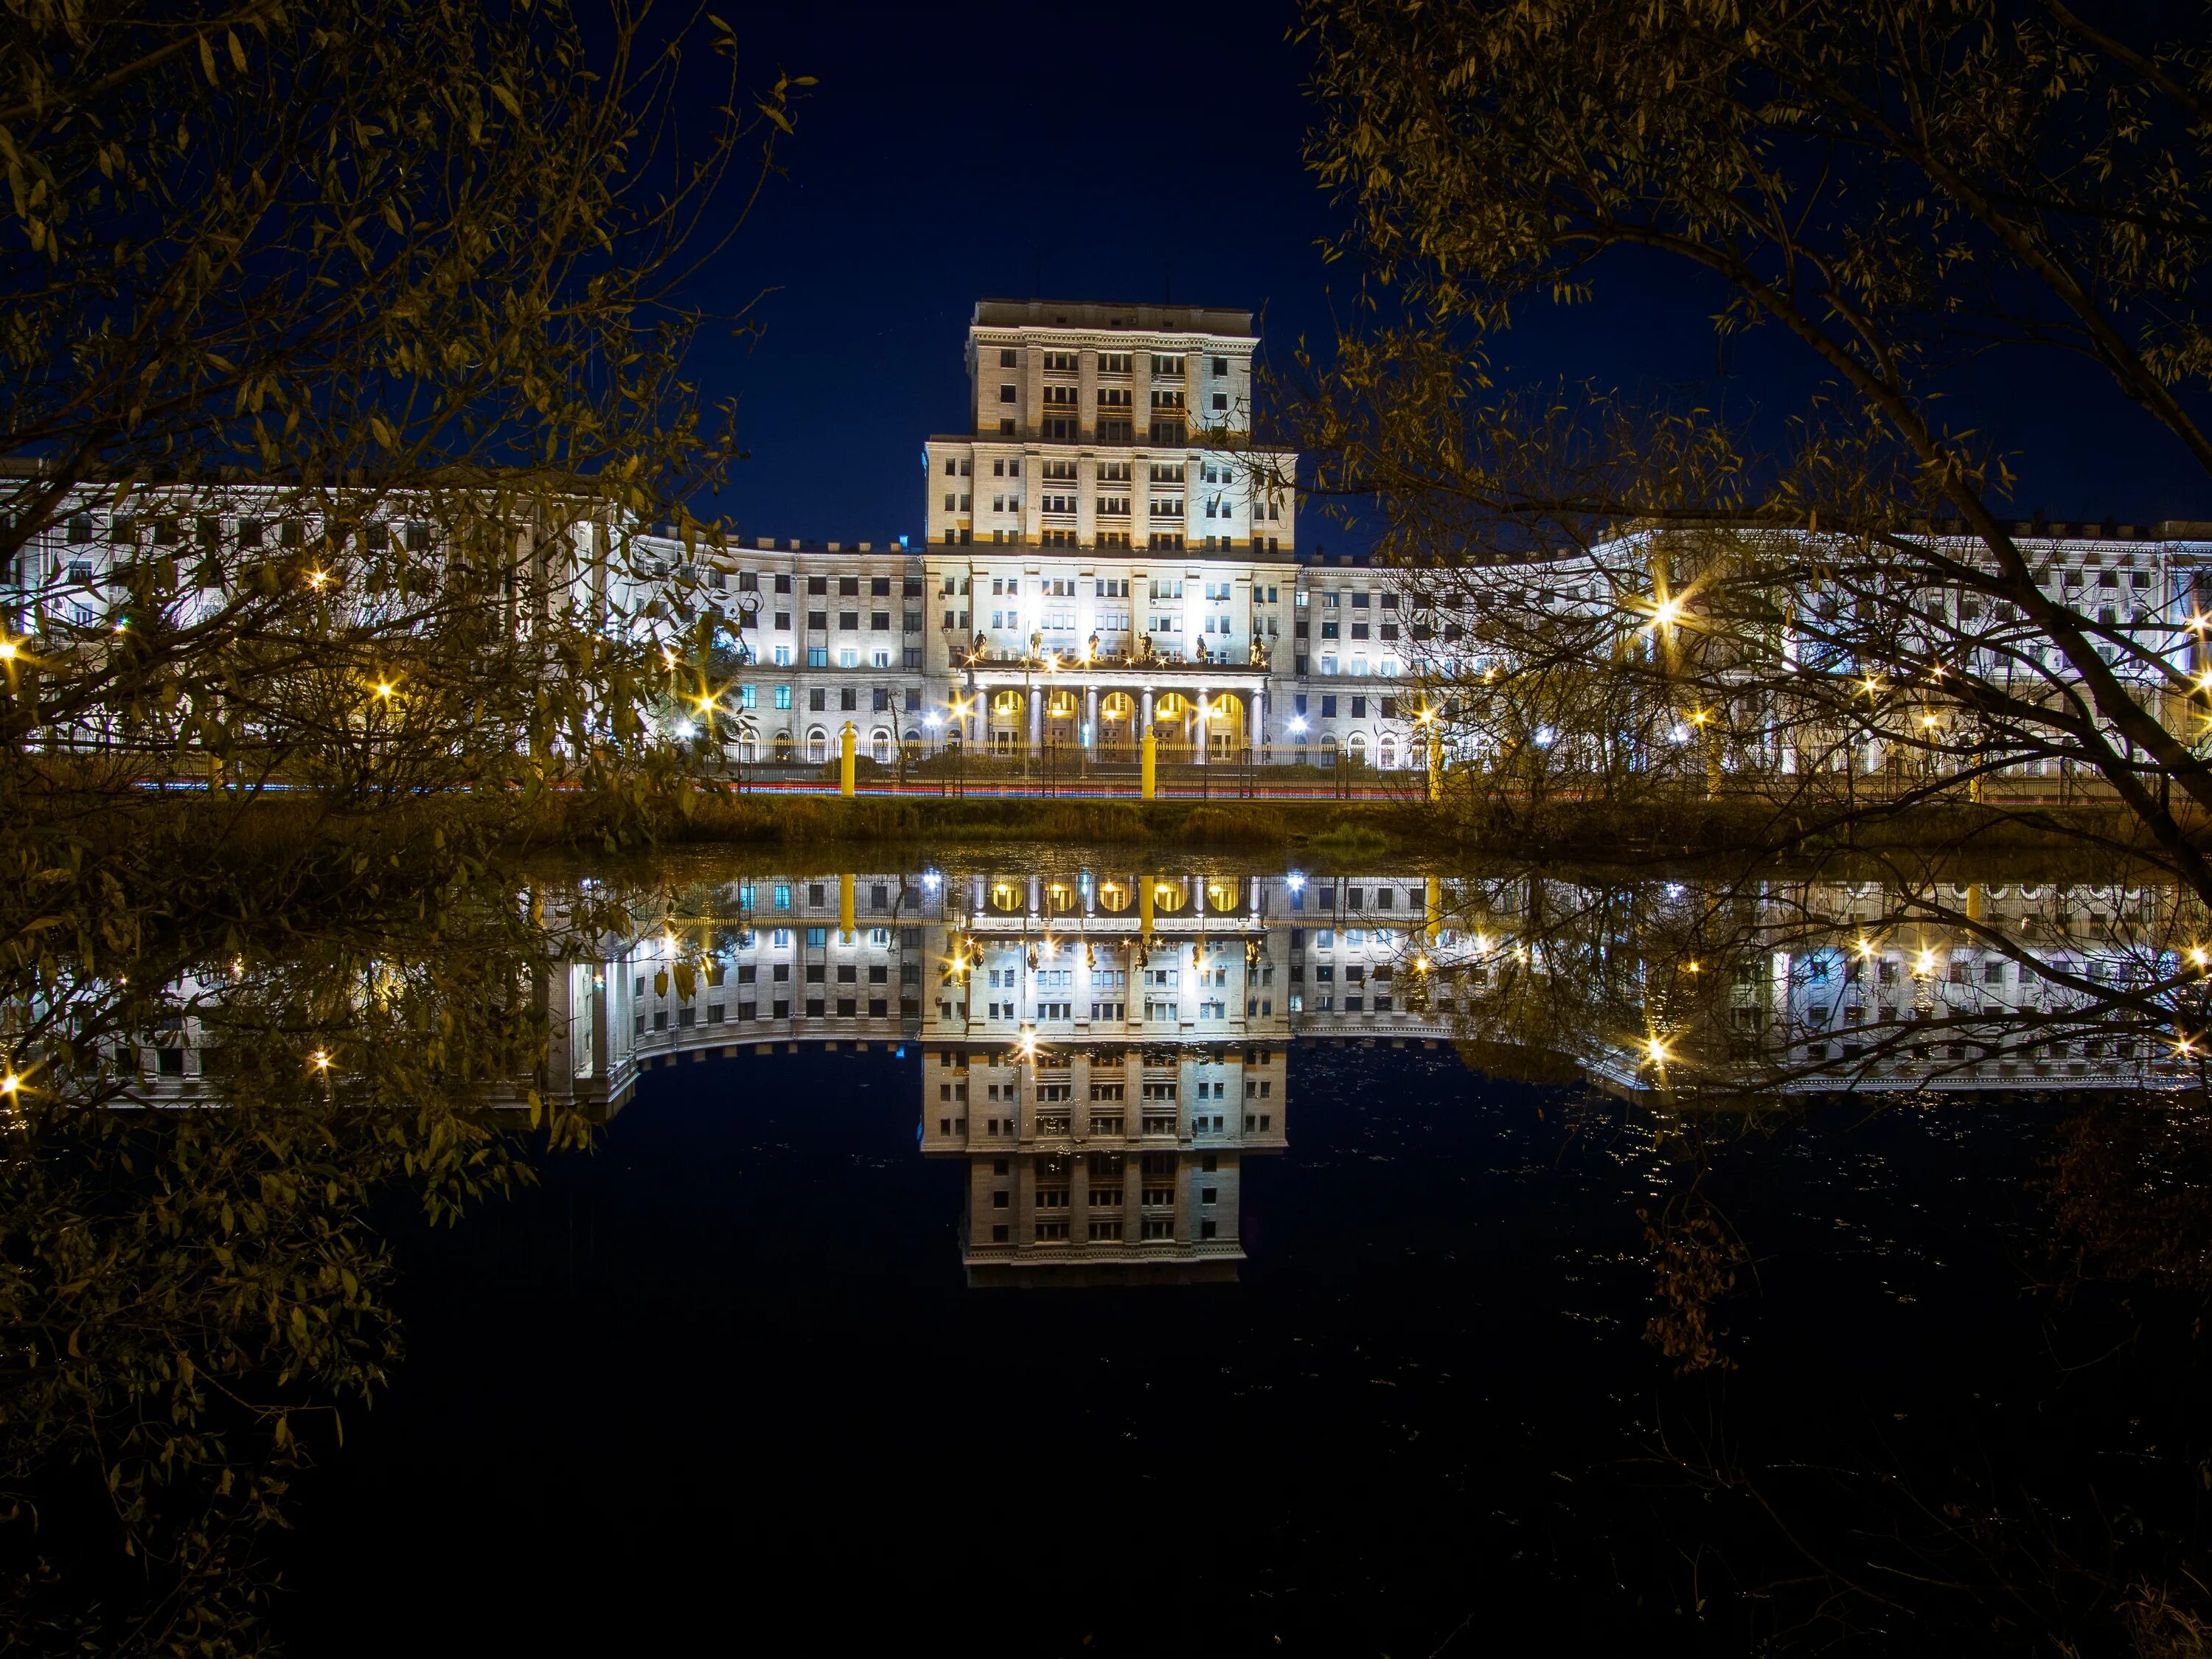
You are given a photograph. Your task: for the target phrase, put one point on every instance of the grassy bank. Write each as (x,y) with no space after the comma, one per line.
(786,820)
(1348,832)
(1650,830)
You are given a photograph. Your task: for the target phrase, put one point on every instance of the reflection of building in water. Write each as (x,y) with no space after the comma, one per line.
(1807,985)
(1105,1049)
(766,961)
(1071,1019)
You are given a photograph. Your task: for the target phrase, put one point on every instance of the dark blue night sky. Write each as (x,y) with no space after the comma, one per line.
(994,150)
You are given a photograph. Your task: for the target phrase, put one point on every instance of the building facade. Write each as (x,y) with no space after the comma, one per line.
(1105,554)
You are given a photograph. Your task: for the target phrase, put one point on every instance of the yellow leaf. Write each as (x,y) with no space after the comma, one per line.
(237,52)
(206,61)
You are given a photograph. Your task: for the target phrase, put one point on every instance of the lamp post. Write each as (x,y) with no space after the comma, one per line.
(1029,704)
(749,606)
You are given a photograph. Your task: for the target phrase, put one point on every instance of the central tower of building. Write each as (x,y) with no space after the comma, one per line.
(1106,555)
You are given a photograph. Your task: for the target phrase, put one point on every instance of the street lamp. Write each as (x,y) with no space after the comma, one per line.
(1029,699)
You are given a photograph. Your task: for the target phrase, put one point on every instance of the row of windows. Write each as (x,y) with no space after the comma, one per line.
(885,698)
(1106,588)
(1386,707)
(817,621)
(1164,402)
(847,587)
(817,656)
(82,529)
(1111,362)
(817,1008)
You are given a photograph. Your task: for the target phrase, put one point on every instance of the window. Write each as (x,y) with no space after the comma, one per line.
(1006,394)
(1005,357)
(783,697)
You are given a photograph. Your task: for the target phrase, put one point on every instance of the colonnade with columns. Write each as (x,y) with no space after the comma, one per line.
(1192,717)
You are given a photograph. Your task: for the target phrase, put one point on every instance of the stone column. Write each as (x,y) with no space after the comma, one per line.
(1198,725)
(1255,722)
(1091,716)
(1036,722)
(1145,714)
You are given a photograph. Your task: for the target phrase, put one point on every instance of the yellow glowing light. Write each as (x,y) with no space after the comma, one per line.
(383,688)
(7,650)
(1692,967)
(1866,946)
(11,1083)
(1420,964)
(319,1061)
(2197,956)
(1924,964)
(1665,614)
(2196,620)
(1655,1051)
(316,579)
(1872,686)
(2184,1045)
(1928,720)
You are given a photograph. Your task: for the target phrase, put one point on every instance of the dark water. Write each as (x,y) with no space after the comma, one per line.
(721,1384)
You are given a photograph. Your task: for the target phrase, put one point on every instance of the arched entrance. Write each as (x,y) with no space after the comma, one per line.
(879,747)
(1386,753)
(783,748)
(817,746)
(1175,720)
(1117,725)
(1355,749)
(1008,735)
(1225,731)
(1063,717)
